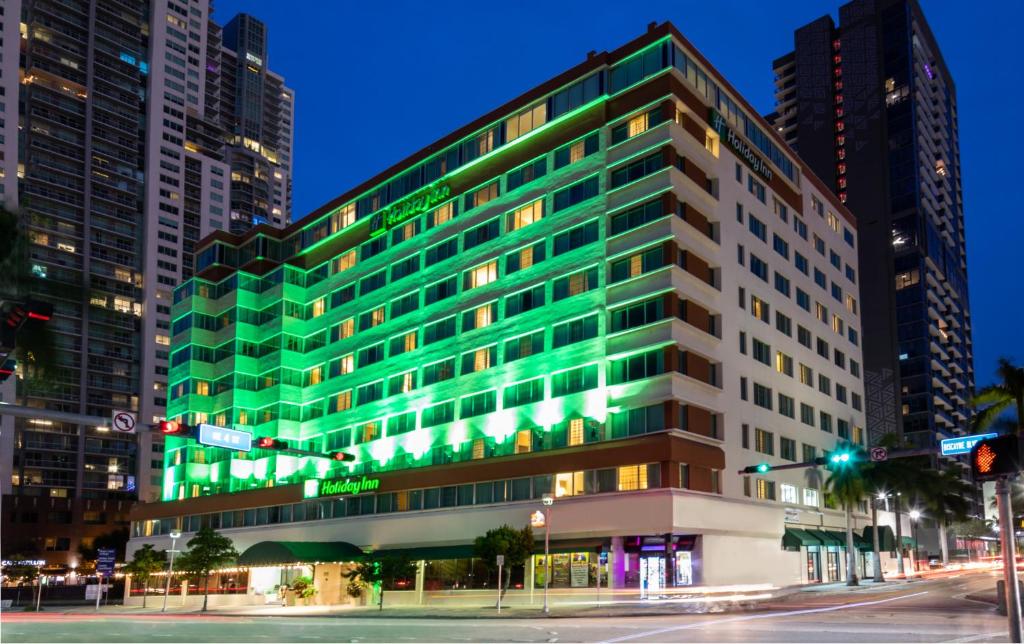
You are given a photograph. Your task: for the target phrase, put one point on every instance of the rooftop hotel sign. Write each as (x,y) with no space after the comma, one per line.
(742,149)
(408,208)
(348,486)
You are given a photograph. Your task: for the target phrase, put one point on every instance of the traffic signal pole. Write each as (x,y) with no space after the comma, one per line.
(1007,542)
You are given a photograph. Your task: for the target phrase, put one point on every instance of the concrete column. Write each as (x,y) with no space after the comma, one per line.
(670,561)
(420,578)
(618,564)
(531,569)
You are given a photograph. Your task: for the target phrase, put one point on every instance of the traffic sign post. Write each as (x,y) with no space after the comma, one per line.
(1008,544)
(879,454)
(123,421)
(501,563)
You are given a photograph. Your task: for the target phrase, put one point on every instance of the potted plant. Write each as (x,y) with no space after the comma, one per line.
(302,589)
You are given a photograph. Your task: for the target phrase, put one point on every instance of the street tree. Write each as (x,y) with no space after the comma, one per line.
(946,500)
(846,484)
(207,551)
(992,401)
(144,563)
(515,545)
(380,571)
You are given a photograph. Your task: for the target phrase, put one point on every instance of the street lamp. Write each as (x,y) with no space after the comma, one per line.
(548,502)
(914,515)
(170,569)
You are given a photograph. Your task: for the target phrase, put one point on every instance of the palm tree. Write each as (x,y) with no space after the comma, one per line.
(993,400)
(946,499)
(846,484)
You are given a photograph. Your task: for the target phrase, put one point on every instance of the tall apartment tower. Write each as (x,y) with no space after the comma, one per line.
(870,105)
(257,116)
(117,148)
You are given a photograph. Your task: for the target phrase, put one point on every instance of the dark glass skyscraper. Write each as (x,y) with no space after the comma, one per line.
(871,106)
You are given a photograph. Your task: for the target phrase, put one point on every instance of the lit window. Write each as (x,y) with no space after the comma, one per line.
(316,375)
(377,316)
(524,441)
(569,484)
(347,363)
(343,400)
(481,275)
(444,213)
(481,359)
(409,341)
(525,215)
(478,449)
(407,382)
(341,218)
(346,329)
(319,307)
(343,262)
(837,324)
(637,125)
(202,388)
(577,151)
(787,493)
(765,489)
(163,339)
(523,122)
(810,497)
(576,431)
(483,316)
(633,477)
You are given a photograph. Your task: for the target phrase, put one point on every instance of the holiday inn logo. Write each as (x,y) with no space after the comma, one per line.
(313,488)
(739,146)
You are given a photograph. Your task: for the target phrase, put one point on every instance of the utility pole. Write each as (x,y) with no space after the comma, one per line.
(1008,544)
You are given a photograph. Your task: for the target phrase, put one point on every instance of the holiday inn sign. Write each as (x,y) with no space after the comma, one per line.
(740,147)
(349,485)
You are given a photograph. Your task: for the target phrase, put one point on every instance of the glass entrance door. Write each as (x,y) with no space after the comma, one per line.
(652,575)
(813,565)
(833,565)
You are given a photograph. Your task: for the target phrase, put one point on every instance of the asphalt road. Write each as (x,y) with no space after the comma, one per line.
(930,611)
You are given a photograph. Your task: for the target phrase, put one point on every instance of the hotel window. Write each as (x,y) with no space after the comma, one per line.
(823,348)
(479,359)
(787,493)
(765,490)
(637,125)
(341,402)
(372,318)
(525,174)
(632,477)
(480,317)
(574,381)
(440,290)
(787,448)
(574,331)
(833,222)
(684,476)
(403,383)
(480,276)
(907,278)
(569,484)
(478,449)
(762,396)
(343,218)
(525,121)
(762,352)
(638,264)
(482,195)
(806,375)
(524,441)
(524,257)
(637,216)
(405,231)
(343,295)
(758,228)
(783,324)
(402,343)
(574,284)
(524,346)
(524,301)
(484,402)
(764,442)
(811,497)
(370,392)
(402,423)
(404,267)
(806,414)
(837,324)
(367,432)
(821,312)
(439,330)
(345,365)
(318,307)
(371,355)
(438,414)
(405,304)
(826,421)
(576,151)
(314,376)
(441,215)
(524,215)
(483,233)
(575,433)
(780,209)
(851,304)
(523,393)
(759,308)
(756,188)
(575,194)
(784,363)
(439,371)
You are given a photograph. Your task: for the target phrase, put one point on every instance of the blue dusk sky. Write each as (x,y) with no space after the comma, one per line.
(456,61)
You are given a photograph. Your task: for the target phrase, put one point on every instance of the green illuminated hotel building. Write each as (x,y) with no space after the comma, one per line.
(617,289)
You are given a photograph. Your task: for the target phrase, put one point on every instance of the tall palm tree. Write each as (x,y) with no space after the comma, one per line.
(993,400)
(846,484)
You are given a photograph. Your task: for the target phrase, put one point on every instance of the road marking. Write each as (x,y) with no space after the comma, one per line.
(982,636)
(747,618)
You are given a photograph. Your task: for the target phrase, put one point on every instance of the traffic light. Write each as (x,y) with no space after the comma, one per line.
(760,468)
(342,456)
(996,457)
(174,428)
(840,458)
(268,442)
(14,315)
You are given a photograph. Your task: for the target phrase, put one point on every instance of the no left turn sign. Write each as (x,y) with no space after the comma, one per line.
(124,422)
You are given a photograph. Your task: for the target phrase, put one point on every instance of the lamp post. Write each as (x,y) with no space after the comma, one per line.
(548,501)
(914,515)
(877,552)
(170,569)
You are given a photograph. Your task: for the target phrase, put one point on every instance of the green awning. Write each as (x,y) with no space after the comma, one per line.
(826,538)
(886,538)
(570,545)
(858,542)
(793,538)
(429,552)
(268,553)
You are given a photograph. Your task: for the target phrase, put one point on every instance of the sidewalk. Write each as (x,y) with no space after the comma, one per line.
(634,608)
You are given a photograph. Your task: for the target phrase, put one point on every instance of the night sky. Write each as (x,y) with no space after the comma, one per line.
(456,61)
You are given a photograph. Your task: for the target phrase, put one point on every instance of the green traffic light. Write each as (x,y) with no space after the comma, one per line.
(763,467)
(841,457)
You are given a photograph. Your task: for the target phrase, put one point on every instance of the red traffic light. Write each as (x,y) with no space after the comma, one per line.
(173,428)
(342,456)
(268,442)
(996,457)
